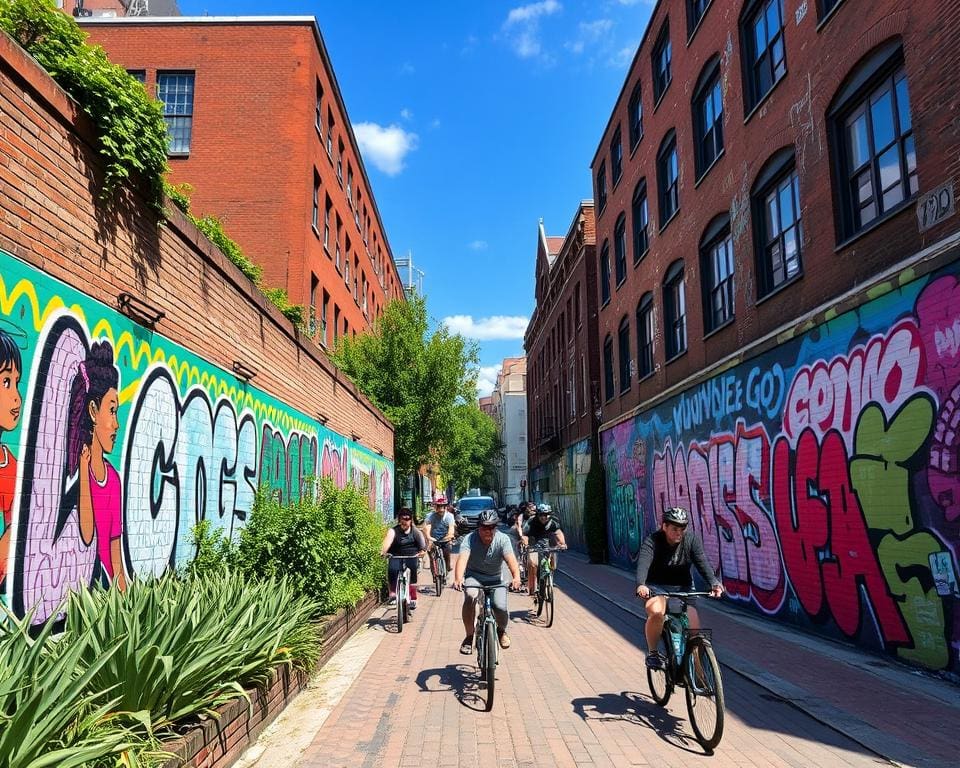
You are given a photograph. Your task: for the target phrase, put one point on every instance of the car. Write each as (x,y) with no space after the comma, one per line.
(468,512)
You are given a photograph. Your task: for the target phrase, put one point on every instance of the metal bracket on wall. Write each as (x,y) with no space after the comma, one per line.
(244,372)
(137,309)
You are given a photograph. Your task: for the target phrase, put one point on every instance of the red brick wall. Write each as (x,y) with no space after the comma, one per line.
(819,56)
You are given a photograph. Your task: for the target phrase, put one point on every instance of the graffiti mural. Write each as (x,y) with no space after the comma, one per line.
(823,476)
(115,442)
(559,483)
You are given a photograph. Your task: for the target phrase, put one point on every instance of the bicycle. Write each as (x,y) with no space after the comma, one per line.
(690,663)
(402,591)
(544,590)
(486,640)
(438,566)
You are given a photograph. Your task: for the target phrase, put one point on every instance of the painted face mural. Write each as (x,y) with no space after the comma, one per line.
(115,443)
(823,476)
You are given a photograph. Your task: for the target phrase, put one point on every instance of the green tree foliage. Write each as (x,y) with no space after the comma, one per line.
(416,376)
(132,132)
(468,456)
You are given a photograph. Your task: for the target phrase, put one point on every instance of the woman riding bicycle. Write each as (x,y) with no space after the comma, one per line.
(663,565)
(406,544)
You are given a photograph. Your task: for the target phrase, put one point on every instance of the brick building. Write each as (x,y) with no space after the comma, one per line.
(563,371)
(273,156)
(710,136)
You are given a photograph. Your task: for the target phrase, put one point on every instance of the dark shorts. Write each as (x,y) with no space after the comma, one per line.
(395,564)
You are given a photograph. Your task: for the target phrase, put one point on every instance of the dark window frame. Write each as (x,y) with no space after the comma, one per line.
(768,62)
(601,187)
(708,141)
(616,158)
(176,113)
(696,10)
(769,248)
(645,336)
(605,273)
(668,187)
(623,355)
(635,116)
(826,7)
(640,209)
(675,311)
(717,287)
(662,60)
(620,249)
(609,385)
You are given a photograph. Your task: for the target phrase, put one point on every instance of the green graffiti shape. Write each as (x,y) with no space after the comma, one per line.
(881,479)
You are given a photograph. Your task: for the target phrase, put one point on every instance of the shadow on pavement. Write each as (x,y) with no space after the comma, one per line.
(462,679)
(631,707)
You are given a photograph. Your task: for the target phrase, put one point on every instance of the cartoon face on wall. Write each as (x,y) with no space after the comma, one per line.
(113,447)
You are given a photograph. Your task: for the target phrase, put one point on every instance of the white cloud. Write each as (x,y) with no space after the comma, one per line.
(492,328)
(487,379)
(623,57)
(407,68)
(522,28)
(589,34)
(406,114)
(385,148)
(528,13)
(478,245)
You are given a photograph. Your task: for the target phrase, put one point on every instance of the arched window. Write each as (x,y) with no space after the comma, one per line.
(668,178)
(674,311)
(645,335)
(716,273)
(605,273)
(641,221)
(707,104)
(620,248)
(623,351)
(608,386)
(777,223)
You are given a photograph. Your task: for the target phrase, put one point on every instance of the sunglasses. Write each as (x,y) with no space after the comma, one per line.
(489,527)
(406,517)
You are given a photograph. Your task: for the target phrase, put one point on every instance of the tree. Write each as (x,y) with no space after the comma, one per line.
(418,378)
(468,456)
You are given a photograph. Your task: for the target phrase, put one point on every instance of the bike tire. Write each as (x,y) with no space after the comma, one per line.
(401,602)
(490,661)
(704,689)
(660,681)
(540,593)
(548,599)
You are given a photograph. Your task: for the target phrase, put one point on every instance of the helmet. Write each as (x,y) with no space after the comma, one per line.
(676,515)
(544,509)
(489,517)
(440,500)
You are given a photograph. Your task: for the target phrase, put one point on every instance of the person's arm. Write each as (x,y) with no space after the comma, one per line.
(561,540)
(387,542)
(699,556)
(644,561)
(426,533)
(511,561)
(421,541)
(451,526)
(460,568)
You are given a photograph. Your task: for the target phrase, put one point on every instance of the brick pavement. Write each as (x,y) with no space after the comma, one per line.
(571,695)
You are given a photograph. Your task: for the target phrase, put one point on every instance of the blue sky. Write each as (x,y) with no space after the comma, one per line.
(475,120)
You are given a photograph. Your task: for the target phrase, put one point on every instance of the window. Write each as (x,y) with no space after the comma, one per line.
(616,157)
(826,6)
(328,206)
(608,387)
(340,161)
(641,222)
(339,227)
(346,266)
(323,318)
(777,222)
(761,30)
(330,125)
(708,117)
(635,116)
(604,273)
(601,188)
(572,392)
(356,278)
(623,350)
(318,116)
(645,336)
(620,248)
(716,273)
(312,320)
(336,323)
(140,75)
(695,11)
(667,178)
(873,140)
(175,90)
(674,311)
(315,218)
(661,63)
(349,185)
(576,304)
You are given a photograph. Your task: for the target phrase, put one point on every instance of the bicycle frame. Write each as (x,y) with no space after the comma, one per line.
(485,637)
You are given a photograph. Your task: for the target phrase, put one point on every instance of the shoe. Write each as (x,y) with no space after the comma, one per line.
(654,661)
(504,638)
(413,605)
(466,647)
(393,601)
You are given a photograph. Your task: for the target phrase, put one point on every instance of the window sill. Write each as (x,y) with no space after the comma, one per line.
(621,283)
(178,155)
(604,304)
(681,353)
(633,149)
(601,209)
(326,249)
(667,222)
(639,260)
(315,230)
(763,99)
(893,212)
(709,168)
(830,14)
(659,99)
(782,287)
(724,324)
(624,392)
(616,182)
(643,378)
(699,24)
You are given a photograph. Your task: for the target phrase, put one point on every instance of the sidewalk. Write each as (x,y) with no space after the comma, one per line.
(907,717)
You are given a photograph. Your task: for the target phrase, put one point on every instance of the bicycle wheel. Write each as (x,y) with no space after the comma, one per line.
(440,575)
(659,680)
(401,602)
(490,659)
(541,590)
(548,598)
(704,693)
(478,640)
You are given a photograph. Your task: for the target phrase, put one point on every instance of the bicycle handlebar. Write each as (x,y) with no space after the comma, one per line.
(485,589)
(535,548)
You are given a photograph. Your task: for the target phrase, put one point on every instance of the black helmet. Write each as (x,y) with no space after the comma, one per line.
(489,517)
(676,515)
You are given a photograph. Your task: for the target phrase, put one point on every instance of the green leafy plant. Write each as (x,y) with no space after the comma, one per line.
(214,551)
(130,124)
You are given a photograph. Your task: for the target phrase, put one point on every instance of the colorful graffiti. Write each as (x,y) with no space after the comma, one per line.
(560,484)
(823,476)
(115,442)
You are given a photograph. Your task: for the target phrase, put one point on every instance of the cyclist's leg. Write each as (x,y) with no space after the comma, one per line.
(692,616)
(413,563)
(656,607)
(445,550)
(393,573)
(468,612)
(532,561)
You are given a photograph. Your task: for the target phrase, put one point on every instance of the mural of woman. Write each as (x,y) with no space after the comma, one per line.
(10,402)
(91,434)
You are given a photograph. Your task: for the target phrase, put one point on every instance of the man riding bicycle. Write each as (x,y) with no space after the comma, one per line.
(480,563)
(664,565)
(440,525)
(541,530)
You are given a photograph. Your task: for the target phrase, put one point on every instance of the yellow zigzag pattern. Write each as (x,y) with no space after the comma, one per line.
(142,355)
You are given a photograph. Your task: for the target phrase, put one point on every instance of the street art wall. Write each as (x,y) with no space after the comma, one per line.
(115,442)
(823,476)
(559,483)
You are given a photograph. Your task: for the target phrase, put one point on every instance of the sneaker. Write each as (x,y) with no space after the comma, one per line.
(654,661)
(413,605)
(393,601)
(466,647)
(504,638)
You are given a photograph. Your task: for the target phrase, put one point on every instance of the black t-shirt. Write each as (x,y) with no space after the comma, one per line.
(659,563)
(538,531)
(406,544)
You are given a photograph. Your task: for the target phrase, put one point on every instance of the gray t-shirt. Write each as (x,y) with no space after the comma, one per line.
(440,524)
(485,562)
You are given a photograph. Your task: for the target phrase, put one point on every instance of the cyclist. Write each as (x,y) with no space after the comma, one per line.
(407,544)
(543,529)
(480,563)
(440,525)
(663,565)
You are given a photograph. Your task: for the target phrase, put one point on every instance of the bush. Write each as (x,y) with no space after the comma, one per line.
(214,551)
(327,545)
